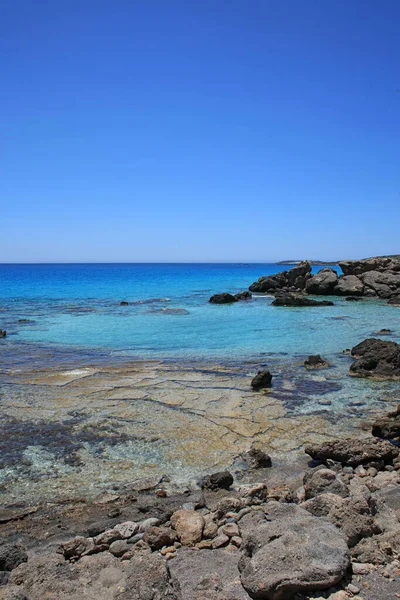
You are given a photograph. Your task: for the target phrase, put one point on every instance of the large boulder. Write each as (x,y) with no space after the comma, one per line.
(294,278)
(323,283)
(324,481)
(376,358)
(353,451)
(261,380)
(11,555)
(349,285)
(217,481)
(286,551)
(303,269)
(264,285)
(378,263)
(315,361)
(207,575)
(382,284)
(243,296)
(394,300)
(188,525)
(224,298)
(292,300)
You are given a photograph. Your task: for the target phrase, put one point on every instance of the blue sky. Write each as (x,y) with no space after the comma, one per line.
(199,130)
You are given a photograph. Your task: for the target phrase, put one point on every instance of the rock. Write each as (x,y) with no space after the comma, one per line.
(315,362)
(231,530)
(243,296)
(323,283)
(349,285)
(147,523)
(321,505)
(210,526)
(368,551)
(261,380)
(353,299)
(287,551)
(353,517)
(94,529)
(376,358)
(378,263)
(383,332)
(292,300)
(77,547)
(11,555)
(302,270)
(215,481)
(127,529)
(256,458)
(394,300)
(188,525)
(157,537)
(207,575)
(353,451)
(219,541)
(324,481)
(3,333)
(119,547)
(294,278)
(123,303)
(107,537)
(223,298)
(264,285)
(382,284)
(388,427)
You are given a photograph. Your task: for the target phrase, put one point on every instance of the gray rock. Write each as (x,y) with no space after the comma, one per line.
(349,285)
(324,481)
(376,358)
(119,547)
(206,575)
(157,537)
(147,523)
(77,547)
(288,551)
(224,298)
(323,283)
(256,458)
(353,451)
(215,481)
(11,555)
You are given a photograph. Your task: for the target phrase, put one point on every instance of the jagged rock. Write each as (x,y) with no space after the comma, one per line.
(321,505)
(323,283)
(127,529)
(261,380)
(292,300)
(349,285)
(383,284)
(303,269)
(224,298)
(157,537)
(264,285)
(188,525)
(315,362)
(215,481)
(388,427)
(378,263)
(353,451)
(256,458)
(243,296)
(11,555)
(376,358)
(77,547)
(394,300)
(207,575)
(368,551)
(324,481)
(295,277)
(286,550)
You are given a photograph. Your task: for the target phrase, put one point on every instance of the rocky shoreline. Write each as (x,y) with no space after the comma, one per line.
(332,531)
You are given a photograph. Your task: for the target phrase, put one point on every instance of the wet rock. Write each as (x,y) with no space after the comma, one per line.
(323,283)
(394,300)
(384,332)
(188,525)
(256,458)
(324,481)
(292,300)
(207,575)
(353,299)
(11,555)
(349,285)
(3,333)
(376,358)
(388,427)
(123,303)
(315,362)
(353,451)
(157,537)
(224,298)
(287,551)
(216,481)
(243,296)
(261,380)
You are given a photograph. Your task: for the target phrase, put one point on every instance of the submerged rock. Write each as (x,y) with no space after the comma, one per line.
(376,358)
(353,451)
(315,362)
(216,481)
(3,333)
(286,550)
(388,427)
(224,298)
(261,380)
(292,300)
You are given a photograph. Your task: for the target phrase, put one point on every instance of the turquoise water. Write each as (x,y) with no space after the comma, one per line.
(78,306)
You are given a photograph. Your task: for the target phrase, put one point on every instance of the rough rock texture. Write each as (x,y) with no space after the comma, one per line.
(188,525)
(256,458)
(380,276)
(221,480)
(378,263)
(315,362)
(157,537)
(323,283)
(224,298)
(261,380)
(287,550)
(376,358)
(388,427)
(352,451)
(11,555)
(243,296)
(206,575)
(292,300)
(349,285)
(295,278)
(395,300)
(323,481)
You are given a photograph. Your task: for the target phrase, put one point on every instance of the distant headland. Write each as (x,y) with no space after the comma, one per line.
(316,263)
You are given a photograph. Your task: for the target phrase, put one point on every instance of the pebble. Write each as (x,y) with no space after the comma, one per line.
(236,541)
(147,523)
(360,568)
(168,550)
(220,541)
(230,529)
(170,555)
(361,472)
(353,589)
(372,472)
(135,538)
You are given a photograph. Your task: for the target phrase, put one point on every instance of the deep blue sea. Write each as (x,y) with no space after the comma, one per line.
(77,306)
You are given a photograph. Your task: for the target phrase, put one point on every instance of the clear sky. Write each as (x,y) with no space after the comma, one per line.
(199,130)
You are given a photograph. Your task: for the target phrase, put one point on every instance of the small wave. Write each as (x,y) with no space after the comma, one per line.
(151,300)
